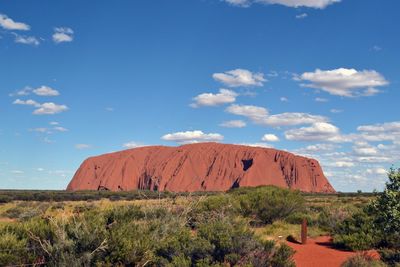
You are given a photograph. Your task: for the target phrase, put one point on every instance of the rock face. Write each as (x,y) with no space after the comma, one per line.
(199,167)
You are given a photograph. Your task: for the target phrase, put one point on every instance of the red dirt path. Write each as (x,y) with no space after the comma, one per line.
(319,252)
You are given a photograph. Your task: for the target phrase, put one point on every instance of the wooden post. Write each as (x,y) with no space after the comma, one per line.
(304,232)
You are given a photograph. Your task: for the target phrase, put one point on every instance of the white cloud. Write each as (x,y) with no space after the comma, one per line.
(82,146)
(318,4)
(46,91)
(293,118)
(208,99)
(133,144)
(40,91)
(343,164)
(384,127)
(345,82)
(320,131)
(264,145)
(29,40)
(319,148)
(270,138)
(389,131)
(28,102)
(54,123)
(63,34)
(233,124)
(379,171)
(254,113)
(302,16)
(240,3)
(365,151)
(284,99)
(41,109)
(192,137)
(240,77)
(50,108)
(23,92)
(9,24)
(259,115)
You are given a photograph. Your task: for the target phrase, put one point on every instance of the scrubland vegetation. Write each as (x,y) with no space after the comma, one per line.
(243,227)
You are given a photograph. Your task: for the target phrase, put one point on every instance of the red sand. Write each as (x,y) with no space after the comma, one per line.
(319,252)
(199,167)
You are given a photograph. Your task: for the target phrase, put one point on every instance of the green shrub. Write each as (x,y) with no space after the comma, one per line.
(362,260)
(356,233)
(378,224)
(386,211)
(268,204)
(390,256)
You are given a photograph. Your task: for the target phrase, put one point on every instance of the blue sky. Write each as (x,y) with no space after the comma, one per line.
(314,77)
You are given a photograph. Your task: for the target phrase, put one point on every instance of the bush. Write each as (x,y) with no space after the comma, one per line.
(390,256)
(268,204)
(377,225)
(356,233)
(362,260)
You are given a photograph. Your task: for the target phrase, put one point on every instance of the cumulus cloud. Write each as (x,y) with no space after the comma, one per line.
(240,77)
(254,113)
(293,118)
(319,131)
(224,96)
(321,147)
(345,82)
(50,108)
(259,115)
(233,124)
(270,138)
(389,131)
(192,137)
(46,91)
(47,108)
(9,24)
(343,164)
(379,171)
(63,34)
(264,145)
(317,4)
(28,40)
(133,144)
(284,99)
(23,92)
(40,91)
(28,102)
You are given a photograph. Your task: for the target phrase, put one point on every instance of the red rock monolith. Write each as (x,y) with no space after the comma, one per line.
(199,167)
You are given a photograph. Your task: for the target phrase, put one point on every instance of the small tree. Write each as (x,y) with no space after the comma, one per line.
(387,209)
